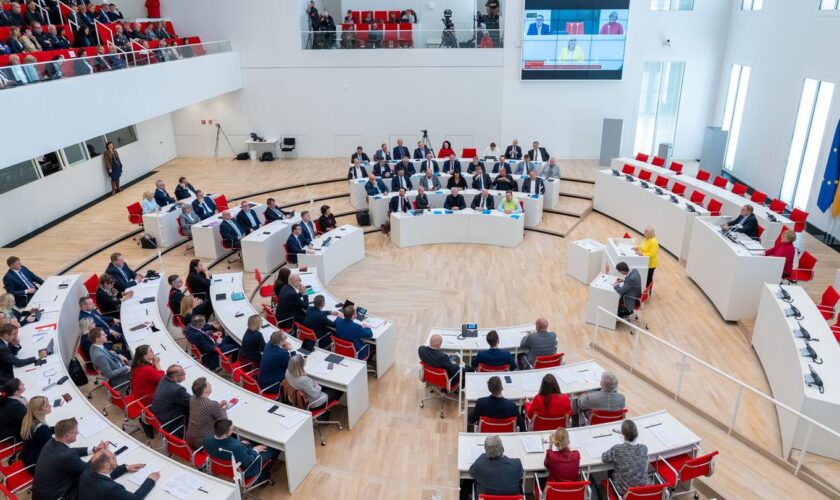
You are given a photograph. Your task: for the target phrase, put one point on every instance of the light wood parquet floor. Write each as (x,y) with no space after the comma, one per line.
(402,451)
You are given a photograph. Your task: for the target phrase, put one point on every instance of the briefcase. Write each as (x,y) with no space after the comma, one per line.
(386,228)
(148,241)
(363,217)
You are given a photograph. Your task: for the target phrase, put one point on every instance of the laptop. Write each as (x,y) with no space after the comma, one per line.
(307,347)
(361,313)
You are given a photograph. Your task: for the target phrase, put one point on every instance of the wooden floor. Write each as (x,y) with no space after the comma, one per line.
(399,450)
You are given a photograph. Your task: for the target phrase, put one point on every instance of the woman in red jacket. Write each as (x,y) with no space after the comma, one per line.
(784,248)
(446,150)
(562,463)
(145,374)
(550,402)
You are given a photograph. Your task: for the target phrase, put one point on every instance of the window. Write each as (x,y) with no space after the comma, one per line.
(17,175)
(733,110)
(95,146)
(806,142)
(74,154)
(829,4)
(752,4)
(672,4)
(122,137)
(48,164)
(658,105)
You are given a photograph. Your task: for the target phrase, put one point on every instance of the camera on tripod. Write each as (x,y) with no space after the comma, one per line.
(447,20)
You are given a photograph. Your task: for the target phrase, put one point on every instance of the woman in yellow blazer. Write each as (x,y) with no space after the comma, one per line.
(649,247)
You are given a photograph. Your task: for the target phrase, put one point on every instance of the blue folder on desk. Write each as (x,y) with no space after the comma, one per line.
(448,212)
(535,196)
(486,212)
(377,197)
(515,216)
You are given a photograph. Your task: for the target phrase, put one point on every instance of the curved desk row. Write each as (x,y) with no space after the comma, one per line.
(345,245)
(489,227)
(349,376)
(207,238)
(59,296)
(263,249)
(509,339)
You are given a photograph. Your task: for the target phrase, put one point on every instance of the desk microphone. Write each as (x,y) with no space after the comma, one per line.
(809,352)
(784,295)
(793,311)
(802,333)
(771,217)
(616,173)
(674,199)
(814,380)
(644,184)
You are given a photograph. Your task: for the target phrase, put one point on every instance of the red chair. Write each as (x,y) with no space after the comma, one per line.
(227,245)
(300,400)
(714,207)
(496,425)
(704,176)
(835,329)
(678,189)
(685,468)
(439,383)
(562,490)
(404,35)
(739,189)
(469,153)
(179,448)
(17,477)
(221,203)
(649,492)
(492,368)
(345,348)
(778,206)
(758,197)
(183,234)
(697,198)
(227,364)
(357,17)
(90,371)
(249,383)
(135,214)
(286,250)
(603,416)
(318,229)
(645,175)
(805,271)
(642,157)
(362,36)
(720,182)
(676,167)
(7,493)
(540,423)
(549,360)
(628,169)
(234,472)
(522,206)
(269,315)
(414,204)
(131,408)
(661,181)
(760,231)
(91,284)
(574,28)
(798,217)
(380,15)
(265,290)
(391,40)
(657,161)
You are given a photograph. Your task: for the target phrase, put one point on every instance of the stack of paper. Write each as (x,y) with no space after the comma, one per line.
(141,475)
(597,445)
(664,435)
(91,424)
(290,418)
(183,484)
(532,444)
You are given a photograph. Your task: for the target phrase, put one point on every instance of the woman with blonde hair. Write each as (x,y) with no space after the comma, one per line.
(253,342)
(562,463)
(7,305)
(650,248)
(316,396)
(34,430)
(114,167)
(148,202)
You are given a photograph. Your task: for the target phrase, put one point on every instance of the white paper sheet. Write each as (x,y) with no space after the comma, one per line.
(530,382)
(596,446)
(568,377)
(141,475)
(532,444)
(476,450)
(91,424)
(183,484)
(290,418)
(664,435)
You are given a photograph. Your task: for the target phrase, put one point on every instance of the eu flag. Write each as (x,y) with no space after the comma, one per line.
(828,188)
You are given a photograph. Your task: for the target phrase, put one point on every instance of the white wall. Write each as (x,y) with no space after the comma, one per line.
(784,43)
(155,146)
(332,99)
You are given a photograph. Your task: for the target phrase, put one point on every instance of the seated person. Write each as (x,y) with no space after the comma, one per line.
(401,181)
(429,181)
(745,223)
(203,413)
(483,201)
(274,212)
(198,280)
(292,299)
(247,218)
(495,406)
(429,164)
(539,342)
(316,396)
(98,481)
(451,165)
(187,220)
(493,356)
(421,150)
(607,398)
(421,201)
(552,170)
(307,227)
(524,167)
(171,401)
(550,402)
(349,330)
(785,249)
(231,231)
(360,155)
(533,184)
(432,356)
(253,342)
(161,195)
(382,153)
(275,361)
(207,342)
(124,277)
(375,186)
(252,459)
(12,409)
(318,321)
(492,151)
(20,281)
(401,151)
(406,166)
(494,473)
(9,349)
(18,316)
(111,365)
(503,182)
(148,203)
(382,169)
(509,204)
(357,171)
(327,219)
(537,152)
(629,459)
(475,164)
(110,325)
(446,150)
(203,206)
(562,463)
(454,200)
(456,181)
(184,189)
(481,180)
(629,288)
(177,298)
(501,164)
(399,203)
(34,430)
(296,245)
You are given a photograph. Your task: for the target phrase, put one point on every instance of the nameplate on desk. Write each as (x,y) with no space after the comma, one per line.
(266,232)
(146,300)
(221,296)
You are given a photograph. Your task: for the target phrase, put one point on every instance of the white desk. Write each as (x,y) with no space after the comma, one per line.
(461,226)
(62,312)
(345,248)
(621,250)
(349,376)
(258,147)
(574,378)
(384,332)
(207,240)
(509,339)
(602,294)
(631,204)
(162,224)
(780,353)
(669,438)
(729,275)
(586,259)
(250,414)
(263,249)
(732,202)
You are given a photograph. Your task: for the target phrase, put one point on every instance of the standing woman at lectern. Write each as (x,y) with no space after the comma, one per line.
(113,166)
(650,248)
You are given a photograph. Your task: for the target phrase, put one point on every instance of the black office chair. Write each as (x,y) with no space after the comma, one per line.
(288,146)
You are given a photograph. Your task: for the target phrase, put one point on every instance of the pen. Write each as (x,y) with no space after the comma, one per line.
(203,490)
(31,369)
(581,371)
(163,347)
(601,436)
(652,425)
(111,443)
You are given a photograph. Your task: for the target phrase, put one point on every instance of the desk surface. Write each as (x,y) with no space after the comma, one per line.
(574,378)
(509,338)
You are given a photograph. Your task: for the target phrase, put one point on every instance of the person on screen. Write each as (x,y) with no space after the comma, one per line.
(571,52)
(538,28)
(613,27)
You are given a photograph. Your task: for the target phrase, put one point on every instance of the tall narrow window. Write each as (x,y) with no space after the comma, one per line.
(806,142)
(829,4)
(672,4)
(659,105)
(733,110)
(752,4)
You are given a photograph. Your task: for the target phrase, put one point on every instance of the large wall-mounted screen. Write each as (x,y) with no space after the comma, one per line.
(574,39)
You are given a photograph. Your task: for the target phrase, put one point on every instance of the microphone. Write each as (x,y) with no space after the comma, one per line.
(784,295)
(809,352)
(793,311)
(813,379)
(802,333)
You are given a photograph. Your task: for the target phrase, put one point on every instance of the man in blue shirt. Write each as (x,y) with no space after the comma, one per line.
(252,460)
(349,330)
(493,356)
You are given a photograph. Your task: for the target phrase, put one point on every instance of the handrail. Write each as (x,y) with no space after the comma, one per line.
(97,22)
(73,25)
(741,385)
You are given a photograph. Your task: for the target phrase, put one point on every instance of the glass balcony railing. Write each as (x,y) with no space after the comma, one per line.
(16,75)
(396,39)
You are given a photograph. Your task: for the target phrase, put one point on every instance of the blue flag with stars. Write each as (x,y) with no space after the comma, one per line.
(828,188)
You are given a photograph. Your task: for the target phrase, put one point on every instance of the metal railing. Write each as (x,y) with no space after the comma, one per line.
(117,58)
(395,38)
(683,360)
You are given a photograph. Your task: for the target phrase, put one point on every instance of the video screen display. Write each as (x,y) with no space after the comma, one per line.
(574,39)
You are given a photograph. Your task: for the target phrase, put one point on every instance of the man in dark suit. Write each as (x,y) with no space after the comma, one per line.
(347,329)
(273,212)
(475,164)
(221,444)
(73,17)
(357,171)
(533,184)
(81,66)
(161,196)
(9,349)
(171,400)
(629,288)
(501,164)
(494,473)
(34,15)
(745,223)
(203,206)
(481,180)
(483,201)
(111,326)
(406,166)
(435,358)
(494,356)
(382,153)
(399,203)
(60,466)
(538,153)
(429,163)
(205,341)
(421,151)
(496,406)
(401,151)
(503,181)
(247,218)
(454,201)
(10,18)
(382,169)
(295,244)
(20,281)
(375,186)
(231,231)
(307,228)
(292,301)
(361,155)
(451,165)
(401,181)
(514,152)
(318,320)
(184,189)
(538,27)
(124,277)
(98,480)
(176,295)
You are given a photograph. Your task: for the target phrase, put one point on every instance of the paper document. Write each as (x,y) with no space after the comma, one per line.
(183,484)
(91,424)
(664,435)
(141,475)
(532,444)
(568,377)
(596,446)
(530,382)
(290,418)
(375,322)
(476,450)
(134,337)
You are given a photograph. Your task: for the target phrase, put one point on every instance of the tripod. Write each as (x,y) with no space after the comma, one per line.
(219,133)
(426,141)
